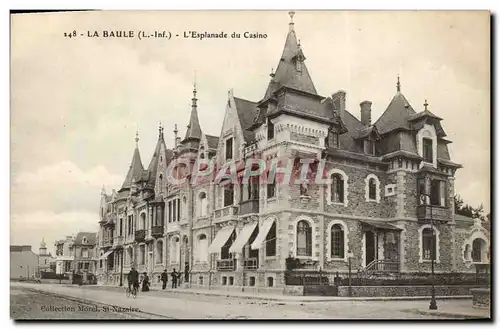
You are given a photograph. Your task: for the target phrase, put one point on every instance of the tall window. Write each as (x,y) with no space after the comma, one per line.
(228,195)
(427,150)
(337,241)
(120,223)
(477,250)
(142,254)
(130,224)
(170,211)
(337,187)
(270,129)
(372,189)
(428,244)
(174,250)
(143,221)
(229,148)
(304,238)
(438,193)
(202,248)
(174,210)
(203,204)
(178,209)
(161,183)
(271,241)
(159,251)
(271,186)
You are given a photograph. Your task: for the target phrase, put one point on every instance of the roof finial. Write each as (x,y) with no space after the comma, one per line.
(291,13)
(137,137)
(194,99)
(425,105)
(272,73)
(175,135)
(159,129)
(398,85)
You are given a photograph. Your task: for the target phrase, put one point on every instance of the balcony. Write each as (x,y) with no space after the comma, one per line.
(427,212)
(249,207)
(225,213)
(110,220)
(226,265)
(140,235)
(157,231)
(251,264)
(107,242)
(118,242)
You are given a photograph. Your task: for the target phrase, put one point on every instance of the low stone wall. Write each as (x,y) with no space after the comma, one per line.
(406,291)
(55,281)
(481,297)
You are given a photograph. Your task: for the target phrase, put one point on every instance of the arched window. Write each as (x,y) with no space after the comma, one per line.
(304,238)
(130,255)
(337,241)
(372,189)
(467,252)
(174,250)
(143,221)
(478,250)
(161,182)
(203,204)
(142,254)
(202,248)
(159,251)
(337,188)
(271,241)
(428,244)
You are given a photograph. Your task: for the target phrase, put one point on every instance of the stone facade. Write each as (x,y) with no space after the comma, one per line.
(387,185)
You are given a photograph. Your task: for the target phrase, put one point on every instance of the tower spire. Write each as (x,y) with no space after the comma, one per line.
(175,135)
(137,137)
(398,85)
(291,24)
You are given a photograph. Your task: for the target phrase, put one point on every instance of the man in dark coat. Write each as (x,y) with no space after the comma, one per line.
(175,276)
(164,279)
(186,272)
(133,278)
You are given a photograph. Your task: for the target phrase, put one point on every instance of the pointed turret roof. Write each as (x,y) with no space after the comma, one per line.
(287,73)
(153,164)
(136,168)
(396,115)
(193,129)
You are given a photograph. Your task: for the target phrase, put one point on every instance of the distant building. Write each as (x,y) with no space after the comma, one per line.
(64,255)
(23,263)
(84,253)
(45,258)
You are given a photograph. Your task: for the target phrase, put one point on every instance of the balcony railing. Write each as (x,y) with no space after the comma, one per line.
(157,231)
(118,242)
(249,207)
(427,212)
(226,265)
(225,212)
(251,264)
(140,235)
(107,242)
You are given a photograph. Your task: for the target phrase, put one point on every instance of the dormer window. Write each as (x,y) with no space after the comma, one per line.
(270,129)
(427,150)
(369,147)
(333,140)
(298,65)
(84,240)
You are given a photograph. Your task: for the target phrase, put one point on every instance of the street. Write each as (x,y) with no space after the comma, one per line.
(50,301)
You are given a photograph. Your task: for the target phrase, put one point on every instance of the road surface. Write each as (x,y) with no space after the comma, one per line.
(52,301)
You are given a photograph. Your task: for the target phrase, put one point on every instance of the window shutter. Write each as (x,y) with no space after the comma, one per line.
(309,241)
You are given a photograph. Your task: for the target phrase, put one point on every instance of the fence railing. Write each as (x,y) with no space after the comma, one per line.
(226,265)
(251,264)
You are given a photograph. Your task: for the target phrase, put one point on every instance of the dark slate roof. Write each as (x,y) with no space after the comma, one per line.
(347,141)
(135,170)
(153,164)
(212,141)
(425,113)
(396,115)
(193,129)
(91,238)
(20,248)
(247,111)
(286,75)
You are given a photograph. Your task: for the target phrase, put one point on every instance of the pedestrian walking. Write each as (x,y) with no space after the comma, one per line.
(164,279)
(145,282)
(186,272)
(175,277)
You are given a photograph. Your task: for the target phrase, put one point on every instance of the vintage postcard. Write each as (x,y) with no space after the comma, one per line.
(250,165)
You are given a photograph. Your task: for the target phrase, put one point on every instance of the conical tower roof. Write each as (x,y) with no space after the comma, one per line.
(136,168)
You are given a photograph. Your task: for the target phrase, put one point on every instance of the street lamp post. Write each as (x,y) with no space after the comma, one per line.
(349,256)
(433,303)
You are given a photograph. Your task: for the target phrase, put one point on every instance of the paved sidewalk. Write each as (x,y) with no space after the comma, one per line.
(460,312)
(275,297)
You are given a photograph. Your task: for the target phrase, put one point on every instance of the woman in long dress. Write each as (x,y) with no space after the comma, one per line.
(145,282)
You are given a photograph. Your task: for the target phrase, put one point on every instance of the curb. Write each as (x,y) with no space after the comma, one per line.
(453,315)
(290,300)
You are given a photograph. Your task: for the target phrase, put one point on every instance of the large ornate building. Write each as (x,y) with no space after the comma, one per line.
(388,180)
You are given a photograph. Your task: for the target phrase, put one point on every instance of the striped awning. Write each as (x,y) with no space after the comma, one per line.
(106,254)
(220,239)
(243,237)
(263,230)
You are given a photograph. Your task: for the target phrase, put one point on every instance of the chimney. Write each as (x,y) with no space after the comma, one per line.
(366,112)
(339,102)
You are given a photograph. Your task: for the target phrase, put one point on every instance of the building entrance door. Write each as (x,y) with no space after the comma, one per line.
(369,247)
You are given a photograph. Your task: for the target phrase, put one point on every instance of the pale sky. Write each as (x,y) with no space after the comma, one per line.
(76,103)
